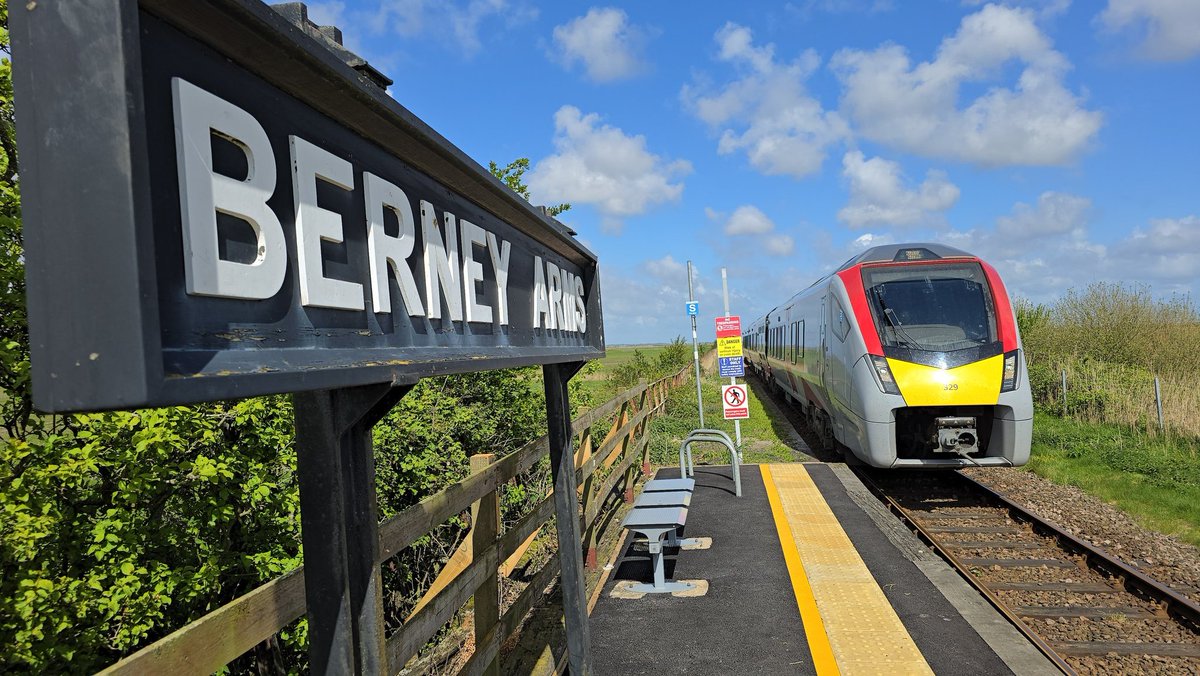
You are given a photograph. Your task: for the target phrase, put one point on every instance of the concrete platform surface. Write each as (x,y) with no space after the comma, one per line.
(801,546)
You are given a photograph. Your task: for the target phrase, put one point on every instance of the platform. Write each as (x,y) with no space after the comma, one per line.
(805,574)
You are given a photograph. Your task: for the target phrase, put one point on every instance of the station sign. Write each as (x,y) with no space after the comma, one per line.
(734,402)
(731,367)
(729,337)
(217,206)
(693,308)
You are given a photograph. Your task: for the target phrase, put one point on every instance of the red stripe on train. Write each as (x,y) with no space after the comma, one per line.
(852,278)
(1005,324)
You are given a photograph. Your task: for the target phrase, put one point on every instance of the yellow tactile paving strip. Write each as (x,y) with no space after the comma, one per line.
(863,630)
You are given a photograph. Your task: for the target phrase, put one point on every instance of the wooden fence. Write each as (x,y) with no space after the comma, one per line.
(602,467)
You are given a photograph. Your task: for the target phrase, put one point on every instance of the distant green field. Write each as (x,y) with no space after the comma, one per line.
(595,376)
(623,354)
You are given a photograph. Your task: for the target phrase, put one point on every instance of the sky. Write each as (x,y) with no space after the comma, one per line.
(1058,140)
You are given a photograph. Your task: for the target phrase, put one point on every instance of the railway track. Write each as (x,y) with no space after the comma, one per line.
(1087,611)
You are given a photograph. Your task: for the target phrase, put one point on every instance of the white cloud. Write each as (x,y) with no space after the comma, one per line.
(1035,121)
(767,112)
(1058,222)
(601,165)
(666,268)
(644,302)
(870,239)
(457,21)
(1043,250)
(807,7)
(1168,250)
(1170,28)
(779,245)
(604,41)
(754,229)
(1056,213)
(748,220)
(1044,8)
(878,195)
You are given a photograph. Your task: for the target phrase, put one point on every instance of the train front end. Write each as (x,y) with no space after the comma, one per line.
(943,381)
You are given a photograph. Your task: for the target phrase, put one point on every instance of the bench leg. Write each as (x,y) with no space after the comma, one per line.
(673,540)
(660,586)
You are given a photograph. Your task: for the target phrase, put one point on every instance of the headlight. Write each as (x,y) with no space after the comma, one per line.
(884,375)
(1009,383)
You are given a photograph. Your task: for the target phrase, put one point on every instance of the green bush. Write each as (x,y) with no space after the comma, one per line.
(673,357)
(120,526)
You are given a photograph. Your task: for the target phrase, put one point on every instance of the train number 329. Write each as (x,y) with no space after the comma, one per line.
(950,386)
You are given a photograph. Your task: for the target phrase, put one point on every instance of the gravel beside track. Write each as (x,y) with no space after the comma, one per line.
(1162,557)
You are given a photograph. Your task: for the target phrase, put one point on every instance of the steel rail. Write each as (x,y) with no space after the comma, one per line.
(945,552)
(1131,580)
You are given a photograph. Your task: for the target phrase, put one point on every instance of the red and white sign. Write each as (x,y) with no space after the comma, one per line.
(734,402)
(728,327)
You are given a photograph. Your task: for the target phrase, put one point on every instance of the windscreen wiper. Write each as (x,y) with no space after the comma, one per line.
(890,315)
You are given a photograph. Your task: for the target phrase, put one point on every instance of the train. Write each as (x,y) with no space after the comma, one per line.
(906,356)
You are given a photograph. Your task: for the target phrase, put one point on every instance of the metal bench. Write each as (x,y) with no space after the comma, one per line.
(654,523)
(657,485)
(678,498)
(664,499)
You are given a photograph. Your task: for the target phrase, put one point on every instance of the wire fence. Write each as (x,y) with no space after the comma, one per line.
(1102,392)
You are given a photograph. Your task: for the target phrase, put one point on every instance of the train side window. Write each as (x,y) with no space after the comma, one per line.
(800,342)
(795,341)
(841,323)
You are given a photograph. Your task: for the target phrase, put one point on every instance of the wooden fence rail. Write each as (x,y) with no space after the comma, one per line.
(225,634)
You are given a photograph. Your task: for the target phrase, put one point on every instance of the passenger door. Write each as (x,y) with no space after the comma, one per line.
(823,355)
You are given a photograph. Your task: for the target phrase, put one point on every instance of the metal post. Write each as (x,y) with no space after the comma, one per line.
(339,526)
(737,424)
(566,513)
(1064,391)
(1158,405)
(695,349)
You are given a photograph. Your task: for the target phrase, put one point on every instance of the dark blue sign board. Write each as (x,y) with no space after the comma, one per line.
(731,367)
(217,206)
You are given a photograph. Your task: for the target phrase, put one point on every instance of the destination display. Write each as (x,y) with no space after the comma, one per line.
(256,242)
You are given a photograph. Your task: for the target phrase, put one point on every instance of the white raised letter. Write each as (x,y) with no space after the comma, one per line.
(441,264)
(569,301)
(500,254)
(314,224)
(390,251)
(202,193)
(541,304)
(472,272)
(554,279)
(580,307)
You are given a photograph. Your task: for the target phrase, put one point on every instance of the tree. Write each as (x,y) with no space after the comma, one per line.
(512,175)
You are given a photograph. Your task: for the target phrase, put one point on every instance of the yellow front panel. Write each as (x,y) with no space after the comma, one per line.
(976,384)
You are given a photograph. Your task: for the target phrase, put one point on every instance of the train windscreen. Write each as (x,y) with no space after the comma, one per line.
(932,307)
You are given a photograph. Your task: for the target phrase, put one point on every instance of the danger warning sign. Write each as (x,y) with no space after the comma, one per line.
(734,402)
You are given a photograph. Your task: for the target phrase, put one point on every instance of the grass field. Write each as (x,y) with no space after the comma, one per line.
(595,376)
(764,439)
(1154,479)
